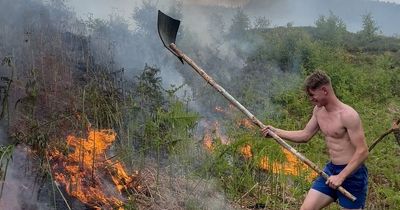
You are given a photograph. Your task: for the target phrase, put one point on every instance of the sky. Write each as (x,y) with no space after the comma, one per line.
(277,11)
(103,8)
(297,13)
(393,1)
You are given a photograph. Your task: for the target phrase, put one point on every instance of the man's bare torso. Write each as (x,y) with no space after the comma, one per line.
(338,143)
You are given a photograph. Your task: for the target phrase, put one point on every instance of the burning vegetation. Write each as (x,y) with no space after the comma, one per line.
(213,133)
(89,175)
(290,166)
(141,152)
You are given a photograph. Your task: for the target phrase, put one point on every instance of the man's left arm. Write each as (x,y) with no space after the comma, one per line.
(352,123)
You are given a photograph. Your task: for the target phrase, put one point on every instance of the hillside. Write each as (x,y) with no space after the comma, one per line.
(99,115)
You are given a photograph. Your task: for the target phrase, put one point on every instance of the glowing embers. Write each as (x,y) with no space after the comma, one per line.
(88,175)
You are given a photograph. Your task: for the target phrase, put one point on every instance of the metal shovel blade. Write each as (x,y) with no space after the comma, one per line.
(167,29)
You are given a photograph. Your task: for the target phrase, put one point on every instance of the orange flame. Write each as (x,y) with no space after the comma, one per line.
(208,141)
(219,109)
(247,123)
(83,170)
(246,151)
(293,166)
(213,132)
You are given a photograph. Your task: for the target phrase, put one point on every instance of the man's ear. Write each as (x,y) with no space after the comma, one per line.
(325,90)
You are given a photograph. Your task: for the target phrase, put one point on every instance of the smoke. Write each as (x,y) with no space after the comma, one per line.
(49,36)
(201,36)
(19,190)
(24,188)
(174,189)
(204,32)
(123,34)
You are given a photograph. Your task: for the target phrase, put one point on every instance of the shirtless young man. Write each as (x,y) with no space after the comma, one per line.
(344,136)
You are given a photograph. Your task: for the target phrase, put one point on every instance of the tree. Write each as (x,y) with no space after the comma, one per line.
(149,90)
(370,29)
(261,23)
(330,29)
(240,24)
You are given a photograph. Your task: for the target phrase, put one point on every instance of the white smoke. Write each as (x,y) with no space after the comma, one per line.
(20,187)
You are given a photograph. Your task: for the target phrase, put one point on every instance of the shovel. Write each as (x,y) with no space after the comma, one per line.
(167,29)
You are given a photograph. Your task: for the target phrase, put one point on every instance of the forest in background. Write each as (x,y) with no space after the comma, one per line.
(61,76)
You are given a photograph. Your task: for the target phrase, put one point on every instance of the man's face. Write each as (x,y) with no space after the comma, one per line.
(318,96)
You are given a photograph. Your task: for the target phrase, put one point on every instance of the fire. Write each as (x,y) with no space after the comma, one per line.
(208,140)
(219,109)
(84,171)
(293,166)
(212,133)
(247,123)
(225,111)
(246,151)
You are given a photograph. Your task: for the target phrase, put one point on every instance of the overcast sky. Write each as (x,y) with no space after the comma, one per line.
(394,1)
(299,14)
(103,8)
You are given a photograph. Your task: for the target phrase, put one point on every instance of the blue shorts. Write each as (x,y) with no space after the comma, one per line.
(356,184)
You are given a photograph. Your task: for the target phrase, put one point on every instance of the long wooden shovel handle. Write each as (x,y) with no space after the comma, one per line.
(278,139)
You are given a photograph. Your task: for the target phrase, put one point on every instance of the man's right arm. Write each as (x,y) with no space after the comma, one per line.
(299,136)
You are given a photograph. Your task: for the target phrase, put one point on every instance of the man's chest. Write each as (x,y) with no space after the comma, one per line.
(331,124)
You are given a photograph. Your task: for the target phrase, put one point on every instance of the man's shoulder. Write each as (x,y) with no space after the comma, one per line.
(316,109)
(349,111)
(349,115)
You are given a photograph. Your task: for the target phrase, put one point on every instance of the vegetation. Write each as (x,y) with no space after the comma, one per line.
(70,82)
(366,79)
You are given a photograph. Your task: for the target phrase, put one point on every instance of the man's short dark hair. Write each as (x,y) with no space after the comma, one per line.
(315,80)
